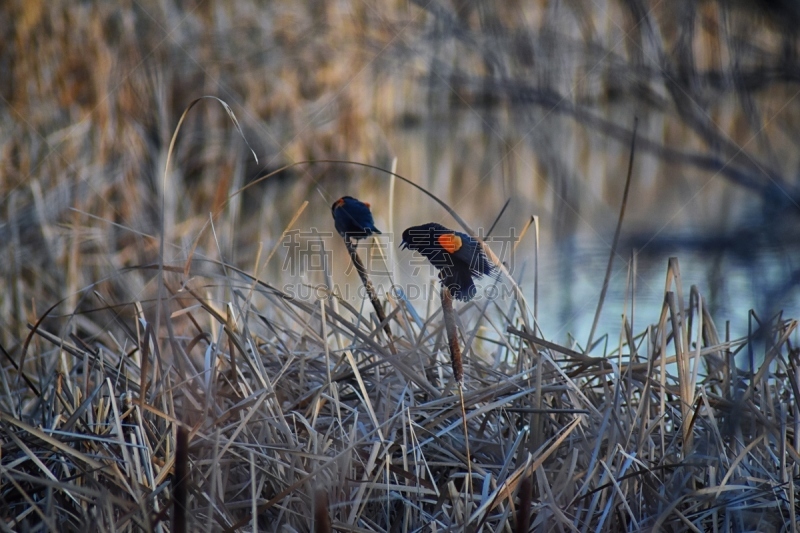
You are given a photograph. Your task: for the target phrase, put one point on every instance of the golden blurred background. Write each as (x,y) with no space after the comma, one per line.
(479,102)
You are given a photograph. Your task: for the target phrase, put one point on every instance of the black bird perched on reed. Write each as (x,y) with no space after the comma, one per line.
(353,220)
(458,257)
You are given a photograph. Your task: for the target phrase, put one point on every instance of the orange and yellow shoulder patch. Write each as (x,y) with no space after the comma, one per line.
(450,242)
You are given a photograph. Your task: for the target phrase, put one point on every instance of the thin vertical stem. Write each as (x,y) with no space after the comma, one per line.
(458,374)
(452,336)
(322,519)
(373,297)
(615,242)
(524,509)
(180,490)
(144,366)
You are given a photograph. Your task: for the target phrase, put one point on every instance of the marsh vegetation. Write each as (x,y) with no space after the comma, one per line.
(143,303)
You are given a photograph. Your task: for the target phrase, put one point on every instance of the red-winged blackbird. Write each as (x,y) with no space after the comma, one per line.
(353,218)
(457,256)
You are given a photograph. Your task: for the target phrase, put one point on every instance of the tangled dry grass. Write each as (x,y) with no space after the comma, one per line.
(304,403)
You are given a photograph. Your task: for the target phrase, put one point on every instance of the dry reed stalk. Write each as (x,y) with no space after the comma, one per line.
(180,490)
(615,242)
(452,336)
(458,375)
(322,519)
(373,296)
(524,510)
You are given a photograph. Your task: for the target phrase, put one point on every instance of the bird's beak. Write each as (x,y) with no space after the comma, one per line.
(403,245)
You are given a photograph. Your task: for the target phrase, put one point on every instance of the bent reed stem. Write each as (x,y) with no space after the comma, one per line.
(373,297)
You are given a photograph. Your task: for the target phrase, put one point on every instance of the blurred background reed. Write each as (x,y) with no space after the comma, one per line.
(531,101)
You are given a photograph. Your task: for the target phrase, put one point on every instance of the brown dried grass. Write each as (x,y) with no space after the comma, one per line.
(279,409)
